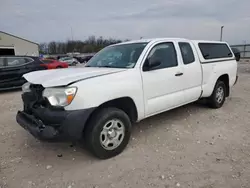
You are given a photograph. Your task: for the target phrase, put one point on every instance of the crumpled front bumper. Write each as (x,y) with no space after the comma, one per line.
(50,124)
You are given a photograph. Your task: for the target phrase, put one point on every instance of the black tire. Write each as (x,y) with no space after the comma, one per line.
(59,67)
(214,101)
(94,127)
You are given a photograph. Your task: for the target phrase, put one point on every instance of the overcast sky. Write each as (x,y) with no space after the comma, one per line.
(46,20)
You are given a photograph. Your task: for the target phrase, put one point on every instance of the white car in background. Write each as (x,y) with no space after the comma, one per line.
(70,60)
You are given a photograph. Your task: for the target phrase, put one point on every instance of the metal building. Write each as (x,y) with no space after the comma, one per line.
(13,45)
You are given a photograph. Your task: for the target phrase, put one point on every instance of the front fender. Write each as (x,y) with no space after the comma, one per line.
(94,92)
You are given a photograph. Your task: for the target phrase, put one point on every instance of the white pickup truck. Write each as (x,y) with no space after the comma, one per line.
(123,84)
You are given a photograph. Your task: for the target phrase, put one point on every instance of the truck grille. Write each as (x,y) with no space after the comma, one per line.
(33,98)
(36,89)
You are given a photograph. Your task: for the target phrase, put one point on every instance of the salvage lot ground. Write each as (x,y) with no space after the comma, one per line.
(192,146)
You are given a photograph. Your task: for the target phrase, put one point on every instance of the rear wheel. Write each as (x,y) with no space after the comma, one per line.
(218,96)
(108,132)
(59,67)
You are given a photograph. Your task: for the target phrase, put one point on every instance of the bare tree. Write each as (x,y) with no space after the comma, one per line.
(91,44)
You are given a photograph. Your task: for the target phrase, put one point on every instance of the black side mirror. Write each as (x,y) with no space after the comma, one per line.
(151,64)
(237,56)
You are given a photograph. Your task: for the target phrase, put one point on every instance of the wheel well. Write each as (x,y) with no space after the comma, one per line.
(125,104)
(225,78)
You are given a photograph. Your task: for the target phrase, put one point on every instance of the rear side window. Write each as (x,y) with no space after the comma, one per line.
(215,50)
(186,52)
(2,62)
(17,61)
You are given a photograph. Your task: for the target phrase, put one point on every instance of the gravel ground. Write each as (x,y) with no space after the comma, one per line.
(192,146)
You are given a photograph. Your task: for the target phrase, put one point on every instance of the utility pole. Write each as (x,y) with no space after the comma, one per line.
(244,53)
(72,39)
(71,33)
(221,32)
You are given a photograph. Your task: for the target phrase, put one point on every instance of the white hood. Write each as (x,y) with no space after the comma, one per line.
(60,77)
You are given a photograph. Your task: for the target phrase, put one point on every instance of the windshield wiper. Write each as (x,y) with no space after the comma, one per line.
(109,66)
(106,66)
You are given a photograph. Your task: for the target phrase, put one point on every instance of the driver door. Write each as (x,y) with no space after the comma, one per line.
(163,84)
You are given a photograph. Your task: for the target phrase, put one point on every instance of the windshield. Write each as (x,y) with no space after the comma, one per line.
(118,56)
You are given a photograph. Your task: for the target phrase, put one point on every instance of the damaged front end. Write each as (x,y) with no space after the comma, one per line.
(37,116)
(47,122)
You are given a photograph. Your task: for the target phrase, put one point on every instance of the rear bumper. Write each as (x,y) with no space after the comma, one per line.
(48,124)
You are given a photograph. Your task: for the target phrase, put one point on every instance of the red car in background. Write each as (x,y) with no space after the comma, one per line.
(53,64)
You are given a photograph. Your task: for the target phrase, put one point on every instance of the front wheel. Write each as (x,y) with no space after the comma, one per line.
(108,132)
(218,96)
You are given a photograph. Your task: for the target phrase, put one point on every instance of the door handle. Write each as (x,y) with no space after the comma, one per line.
(179,74)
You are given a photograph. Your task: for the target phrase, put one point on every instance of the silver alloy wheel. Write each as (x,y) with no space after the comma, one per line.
(219,94)
(112,134)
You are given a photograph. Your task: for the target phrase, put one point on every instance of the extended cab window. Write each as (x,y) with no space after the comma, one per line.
(215,50)
(186,52)
(164,53)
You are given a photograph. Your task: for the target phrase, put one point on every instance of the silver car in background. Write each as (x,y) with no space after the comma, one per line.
(70,60)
